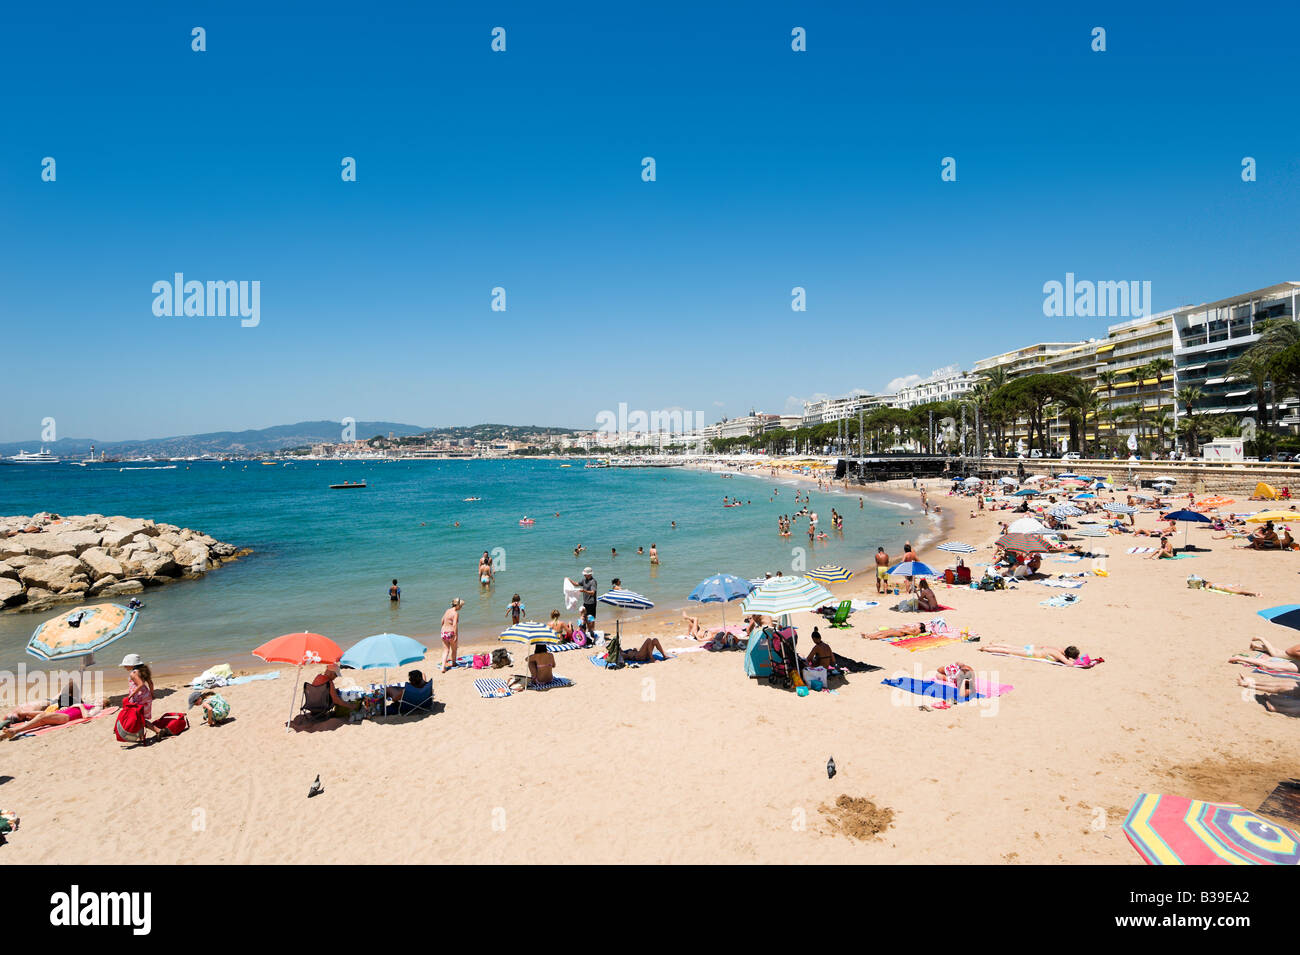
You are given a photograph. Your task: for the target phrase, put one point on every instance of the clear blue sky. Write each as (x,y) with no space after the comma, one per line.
(522,170)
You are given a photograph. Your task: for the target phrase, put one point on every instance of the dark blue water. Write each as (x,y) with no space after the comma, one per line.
(323,559)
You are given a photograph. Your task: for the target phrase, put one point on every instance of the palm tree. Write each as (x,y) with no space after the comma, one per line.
(1079,403)
(1255,364)
(1188,397)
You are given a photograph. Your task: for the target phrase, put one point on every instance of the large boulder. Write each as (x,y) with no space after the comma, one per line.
(163,546)
(11,592)
(157,565)
(101,564)
(192,556)
(58,574)
(131,526)
(12,546)
(115,537)
(55,544)
(8,570)
(120,587)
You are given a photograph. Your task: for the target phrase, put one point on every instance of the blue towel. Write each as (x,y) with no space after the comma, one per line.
(928,689)
(600,661)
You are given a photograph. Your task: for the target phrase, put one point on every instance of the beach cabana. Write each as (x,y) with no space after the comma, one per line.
(1172,830)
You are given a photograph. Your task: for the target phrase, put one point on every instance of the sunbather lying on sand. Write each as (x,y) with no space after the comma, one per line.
(34,720)
(645,653)
(1069,656)
(906,630)
(1275,694)
(693,629)
(1286,661)
(958,675)
(1226,589)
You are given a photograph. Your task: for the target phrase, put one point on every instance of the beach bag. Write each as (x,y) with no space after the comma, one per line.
(500,658)
(174,723)
(129,727)
(482,661)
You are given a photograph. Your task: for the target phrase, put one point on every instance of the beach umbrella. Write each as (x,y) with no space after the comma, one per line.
(1034,479)
(722,588)
(956,547)
(1265,516)
(298,649)
(1027,525)
(1116,508)
(1024,543)
(912,568)
(1027,492)
(1287,615)
(1172,830)
(1188,518)
(1061,511)
(780,596)
(1165,483)
(1084,497)
(829,572)
(1009,480)
(1069,477)
(626,599)
(1143,497)
(1093,532)
(383,651)
(530,632)
(81,631)
(971,480)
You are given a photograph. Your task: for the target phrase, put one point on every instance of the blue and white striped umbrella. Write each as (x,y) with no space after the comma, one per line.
(626,598)
(956,547)
(1061,511)
(1116,508)
(912,568)
(530,632)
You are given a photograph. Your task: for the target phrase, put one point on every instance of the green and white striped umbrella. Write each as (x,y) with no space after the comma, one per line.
(783,595)
(829,572)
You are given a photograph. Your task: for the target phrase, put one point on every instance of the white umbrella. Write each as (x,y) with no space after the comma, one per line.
(1027,525)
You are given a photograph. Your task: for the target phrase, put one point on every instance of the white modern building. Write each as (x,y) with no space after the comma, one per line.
(944,384)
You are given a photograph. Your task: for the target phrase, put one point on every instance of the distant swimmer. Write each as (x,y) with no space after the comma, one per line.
(394,592)
(674,525)
(578,550)
(640,551)
(613,552)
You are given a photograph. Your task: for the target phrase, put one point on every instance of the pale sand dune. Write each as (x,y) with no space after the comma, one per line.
(688,761)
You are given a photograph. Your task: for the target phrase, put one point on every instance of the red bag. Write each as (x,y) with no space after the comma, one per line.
(174,723)
(129,727)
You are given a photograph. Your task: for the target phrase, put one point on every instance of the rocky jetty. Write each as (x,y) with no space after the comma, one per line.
(47,559)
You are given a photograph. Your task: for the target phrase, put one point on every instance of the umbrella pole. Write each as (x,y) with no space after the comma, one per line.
(293,698)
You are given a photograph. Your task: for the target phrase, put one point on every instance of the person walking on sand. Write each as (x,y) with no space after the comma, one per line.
(450,628)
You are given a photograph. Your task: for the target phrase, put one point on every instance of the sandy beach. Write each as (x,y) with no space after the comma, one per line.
(690,761)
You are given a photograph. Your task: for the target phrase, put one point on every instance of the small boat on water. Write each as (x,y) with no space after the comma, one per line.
(347,485)
(471,499)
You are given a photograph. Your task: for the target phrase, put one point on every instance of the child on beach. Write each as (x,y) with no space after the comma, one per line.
(215,708)
(516,610)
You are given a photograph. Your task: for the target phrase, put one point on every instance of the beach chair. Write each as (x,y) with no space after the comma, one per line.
(412,703)
(316,702)
(841,617)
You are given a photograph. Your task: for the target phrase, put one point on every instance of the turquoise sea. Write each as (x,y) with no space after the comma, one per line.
(323,559)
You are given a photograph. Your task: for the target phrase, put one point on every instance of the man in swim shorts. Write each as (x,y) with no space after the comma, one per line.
(882,570)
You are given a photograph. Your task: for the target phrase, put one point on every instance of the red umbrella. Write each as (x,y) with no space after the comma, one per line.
(299,649)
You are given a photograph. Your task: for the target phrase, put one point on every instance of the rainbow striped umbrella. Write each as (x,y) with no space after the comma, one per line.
(786,595)
(828,572)
(1171,830)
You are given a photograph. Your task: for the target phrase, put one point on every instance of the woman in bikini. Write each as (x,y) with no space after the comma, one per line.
(450,628)
(1069,656)
(562,627)
(33,718)
(1283,660)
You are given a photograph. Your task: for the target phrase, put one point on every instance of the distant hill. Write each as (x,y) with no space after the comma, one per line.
(253,441)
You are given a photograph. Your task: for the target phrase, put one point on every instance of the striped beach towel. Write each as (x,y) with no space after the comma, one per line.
(492,689)
(1140,550)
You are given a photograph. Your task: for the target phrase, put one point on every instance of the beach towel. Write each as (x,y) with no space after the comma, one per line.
(1181,557)
(926,641)
(1061,584)
(1060,600)
(1262,665)
(572,592)
(846,665)
(942,692)
(1069,559)
(492,689)
(1140,550)
(555,683)
(599,661)
(986,689)
(40,730)
(857,605)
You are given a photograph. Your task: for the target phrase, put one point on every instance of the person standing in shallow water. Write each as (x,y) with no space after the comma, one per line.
(394,592)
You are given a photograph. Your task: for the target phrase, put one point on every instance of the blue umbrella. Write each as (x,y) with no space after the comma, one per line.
(1027,492)
(1188,518)
(626,598)
(1084,497)
(721,588)
(1287,615)
(383,651)
(912,568)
